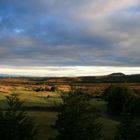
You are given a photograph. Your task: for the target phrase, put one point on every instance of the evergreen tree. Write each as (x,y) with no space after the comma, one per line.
(14,123)
(78,120)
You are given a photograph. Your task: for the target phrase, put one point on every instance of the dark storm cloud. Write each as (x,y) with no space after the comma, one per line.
(69,33)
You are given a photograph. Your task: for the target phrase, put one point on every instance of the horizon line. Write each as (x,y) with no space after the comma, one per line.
(69,71)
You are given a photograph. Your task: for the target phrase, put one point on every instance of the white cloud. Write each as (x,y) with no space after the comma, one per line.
(68,71)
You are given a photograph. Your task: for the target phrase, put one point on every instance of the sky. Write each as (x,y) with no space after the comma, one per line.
(69,37)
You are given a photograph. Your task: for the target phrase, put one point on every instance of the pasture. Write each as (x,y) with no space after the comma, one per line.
(45,118)
(38,103)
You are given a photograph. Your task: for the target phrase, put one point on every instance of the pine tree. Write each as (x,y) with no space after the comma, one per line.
(14,123)
(77,120)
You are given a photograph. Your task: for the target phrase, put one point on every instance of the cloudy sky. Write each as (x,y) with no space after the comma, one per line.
(69,37)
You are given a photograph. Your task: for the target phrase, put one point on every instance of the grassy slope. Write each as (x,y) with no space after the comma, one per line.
(32,98)
(45,119)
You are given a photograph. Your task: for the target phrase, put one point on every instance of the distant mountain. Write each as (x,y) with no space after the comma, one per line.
(111,78)
(117,74)
(9,75)
(4,75)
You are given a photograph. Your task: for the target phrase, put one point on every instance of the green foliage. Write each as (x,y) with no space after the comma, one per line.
(117,98)
(134,107)
(78,120)
(14,123)
(39,89)
(129,128)
(53,89)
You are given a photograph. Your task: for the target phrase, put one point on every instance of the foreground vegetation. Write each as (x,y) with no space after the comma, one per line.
(42,106)
(14,122)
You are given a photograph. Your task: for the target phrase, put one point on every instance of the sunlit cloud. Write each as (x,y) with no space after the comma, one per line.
(68,71)
(69,33)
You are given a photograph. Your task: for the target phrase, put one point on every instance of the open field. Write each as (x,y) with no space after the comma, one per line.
(38,102)
(33,99)
(46,118)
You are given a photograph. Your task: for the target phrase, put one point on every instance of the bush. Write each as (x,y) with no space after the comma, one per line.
(118,97)
(53,89)
(77,119)
(134,107)
(129,128)
(14,123)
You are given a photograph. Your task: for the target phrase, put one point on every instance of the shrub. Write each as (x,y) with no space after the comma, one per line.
(53,89)
(117,97)
(133,107)
(129,128)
